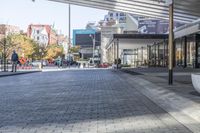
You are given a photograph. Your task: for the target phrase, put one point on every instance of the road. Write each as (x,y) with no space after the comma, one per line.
(79,101)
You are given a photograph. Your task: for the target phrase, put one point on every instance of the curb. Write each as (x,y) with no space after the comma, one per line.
(20,73)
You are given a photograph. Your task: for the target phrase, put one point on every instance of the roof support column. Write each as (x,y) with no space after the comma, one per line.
(171,41)
(117,53)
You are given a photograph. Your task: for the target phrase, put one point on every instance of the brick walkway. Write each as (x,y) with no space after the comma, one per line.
(88,101)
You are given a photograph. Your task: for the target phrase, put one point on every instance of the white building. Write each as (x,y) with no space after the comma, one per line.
(39,33)
(118,16)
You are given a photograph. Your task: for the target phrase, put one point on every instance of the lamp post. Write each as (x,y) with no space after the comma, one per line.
(93,50)
(41,54)
(4,55)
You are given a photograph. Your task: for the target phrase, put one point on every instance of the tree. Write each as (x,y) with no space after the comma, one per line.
(76,52)
(74,49)
(6,46)
(53,51)
(24,46)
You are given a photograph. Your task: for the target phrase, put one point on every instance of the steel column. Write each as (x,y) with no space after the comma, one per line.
(171,40)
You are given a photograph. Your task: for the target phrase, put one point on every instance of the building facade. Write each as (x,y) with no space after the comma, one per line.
(8,29)
(118,16)
(84,39)
(43,34)
(63,41)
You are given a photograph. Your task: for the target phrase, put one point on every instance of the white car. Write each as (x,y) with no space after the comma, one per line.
(36,63)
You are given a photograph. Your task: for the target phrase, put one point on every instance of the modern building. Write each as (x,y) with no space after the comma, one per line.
(8,29)
(43,34)
(84,39)
(152,49)
(130,25)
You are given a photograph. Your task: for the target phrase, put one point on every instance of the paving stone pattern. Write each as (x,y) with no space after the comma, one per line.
(88,101)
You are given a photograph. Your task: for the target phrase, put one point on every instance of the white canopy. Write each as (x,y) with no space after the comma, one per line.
(184,10)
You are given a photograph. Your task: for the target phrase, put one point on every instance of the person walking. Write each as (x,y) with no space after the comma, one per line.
(14,60)
(59,61)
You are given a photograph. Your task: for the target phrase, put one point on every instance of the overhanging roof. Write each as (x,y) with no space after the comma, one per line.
(185,10)
(140,36)
(136,36)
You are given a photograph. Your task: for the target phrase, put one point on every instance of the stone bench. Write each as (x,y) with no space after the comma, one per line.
(196,82)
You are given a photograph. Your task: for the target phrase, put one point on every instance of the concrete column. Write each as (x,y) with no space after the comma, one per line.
(115,50)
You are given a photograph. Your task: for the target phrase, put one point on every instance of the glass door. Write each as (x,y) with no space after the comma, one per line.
(191,52)
(198,50)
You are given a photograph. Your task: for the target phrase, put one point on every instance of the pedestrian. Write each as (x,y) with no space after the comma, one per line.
(59,61)
(14,60)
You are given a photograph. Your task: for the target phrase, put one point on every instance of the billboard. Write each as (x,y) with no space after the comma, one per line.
(154,26)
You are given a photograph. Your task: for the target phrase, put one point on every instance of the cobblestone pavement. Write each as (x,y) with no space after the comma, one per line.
(84,101)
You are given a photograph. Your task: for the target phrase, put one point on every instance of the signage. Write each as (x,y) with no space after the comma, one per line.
(147,26)
(154,26)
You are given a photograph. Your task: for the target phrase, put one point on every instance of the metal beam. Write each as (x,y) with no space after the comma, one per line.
(137,9)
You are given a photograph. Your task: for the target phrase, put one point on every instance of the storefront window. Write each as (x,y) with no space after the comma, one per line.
(198,50)
(191,52)
(179,52)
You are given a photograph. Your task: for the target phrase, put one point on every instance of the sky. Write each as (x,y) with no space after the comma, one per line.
(24,12)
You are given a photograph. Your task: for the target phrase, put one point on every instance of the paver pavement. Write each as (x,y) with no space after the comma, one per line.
(84,101)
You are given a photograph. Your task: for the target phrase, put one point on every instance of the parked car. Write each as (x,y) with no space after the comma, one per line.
(36,63)
(104,65)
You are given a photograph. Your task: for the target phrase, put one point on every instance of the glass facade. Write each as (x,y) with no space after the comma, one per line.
(157,55)
(186,53)
(135,57)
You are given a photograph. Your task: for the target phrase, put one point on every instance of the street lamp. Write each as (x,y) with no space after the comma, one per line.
(41,56)
(93,41)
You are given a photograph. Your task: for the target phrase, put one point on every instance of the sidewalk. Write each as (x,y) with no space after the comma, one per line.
(180,100)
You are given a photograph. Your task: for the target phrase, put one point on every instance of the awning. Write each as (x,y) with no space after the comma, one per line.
(185,10)
(137,36)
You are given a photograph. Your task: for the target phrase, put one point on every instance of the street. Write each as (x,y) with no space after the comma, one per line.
(83,101)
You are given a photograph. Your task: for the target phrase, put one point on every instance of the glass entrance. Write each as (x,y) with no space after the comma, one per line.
(198,50)
(191,52)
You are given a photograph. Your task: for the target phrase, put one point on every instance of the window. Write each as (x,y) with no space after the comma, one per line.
(38,38)
(122,14)
(111,14)
(38,32)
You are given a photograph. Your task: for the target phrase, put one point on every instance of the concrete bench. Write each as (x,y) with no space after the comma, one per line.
(196,82)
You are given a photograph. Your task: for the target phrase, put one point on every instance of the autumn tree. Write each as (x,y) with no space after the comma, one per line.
(6,46)
(53,51)
(75,51)
(23,45)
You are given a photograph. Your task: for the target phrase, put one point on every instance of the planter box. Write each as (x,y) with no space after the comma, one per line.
(196,82)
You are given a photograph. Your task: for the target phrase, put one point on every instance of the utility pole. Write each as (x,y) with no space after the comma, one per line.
(93,39)
(69,32)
